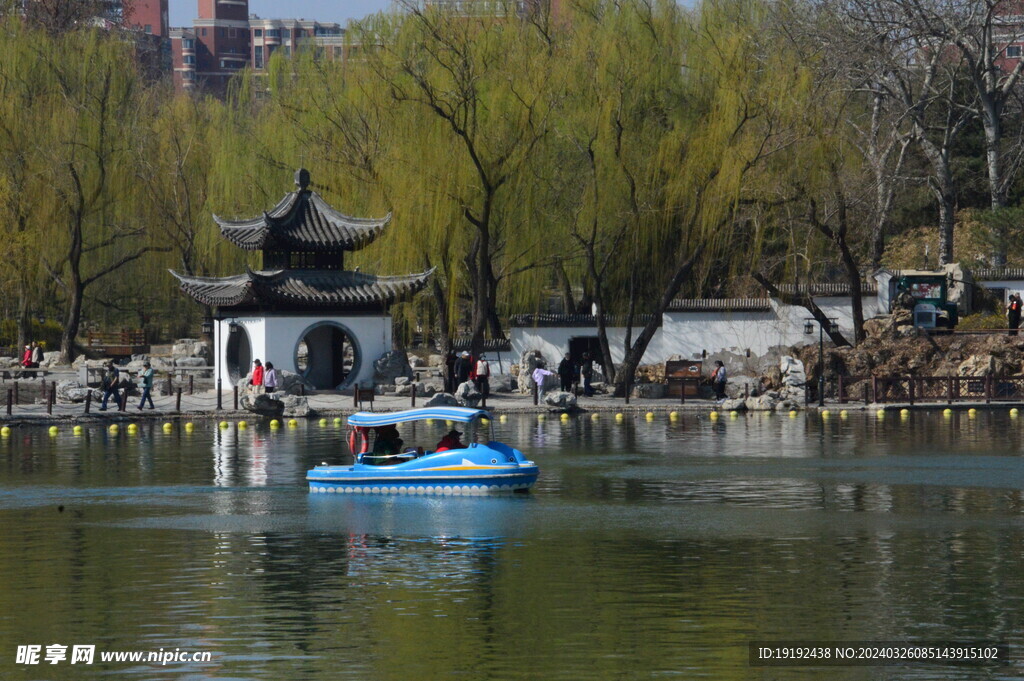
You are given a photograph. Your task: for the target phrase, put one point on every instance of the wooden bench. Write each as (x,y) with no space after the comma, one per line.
(360,395)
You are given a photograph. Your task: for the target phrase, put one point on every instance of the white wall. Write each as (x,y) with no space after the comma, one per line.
(687,334)
(275,339)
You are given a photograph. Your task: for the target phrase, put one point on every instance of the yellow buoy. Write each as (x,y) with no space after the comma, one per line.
(113,427)
(825,413)
(947,412)
(484,420)
(77,430)
(429,421)
(595,416)
(293,423)
(502,418)
(792,413)
(713,415)
(904,413)
(242,425)
(132,427)
(274,423)
(972,412)
(649,416)
(449,423)
(1014,413)
(540,417)
(564,417)
(880,413)
(168,426)
(734,414)
(5,431)
(323,422)
(54,430)
(673,415)
(619,417)
(189,427)
(223,424)
(843,414)
(337,420)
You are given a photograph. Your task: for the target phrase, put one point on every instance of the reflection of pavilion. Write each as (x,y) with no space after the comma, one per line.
(302,311)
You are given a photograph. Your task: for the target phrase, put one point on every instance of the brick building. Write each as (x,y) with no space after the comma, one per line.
(225,39)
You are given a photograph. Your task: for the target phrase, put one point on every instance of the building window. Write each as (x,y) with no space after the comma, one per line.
(188,75)
(257,33)
(232,33)
(188,44)
(274,33)
(189,59)
(148,28)
(1013,51)
(222,32)
(257,54)
(203,31)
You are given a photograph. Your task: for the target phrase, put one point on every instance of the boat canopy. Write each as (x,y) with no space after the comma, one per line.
(368,419)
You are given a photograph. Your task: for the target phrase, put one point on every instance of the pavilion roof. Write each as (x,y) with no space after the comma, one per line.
(303,221)
(302,288)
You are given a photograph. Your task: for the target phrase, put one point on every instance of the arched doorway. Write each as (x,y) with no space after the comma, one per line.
(238,354)
(327,355)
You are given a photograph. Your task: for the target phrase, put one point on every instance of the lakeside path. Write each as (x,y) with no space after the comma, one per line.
(203,406)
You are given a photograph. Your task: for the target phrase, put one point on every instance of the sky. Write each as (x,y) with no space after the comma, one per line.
(184,11)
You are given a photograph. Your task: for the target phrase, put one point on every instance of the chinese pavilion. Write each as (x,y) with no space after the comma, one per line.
(302,311)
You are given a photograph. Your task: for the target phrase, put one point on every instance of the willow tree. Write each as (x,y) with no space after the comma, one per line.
(22,162)
(94,108)
(477,86)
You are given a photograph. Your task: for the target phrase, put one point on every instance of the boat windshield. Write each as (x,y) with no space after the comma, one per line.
(384,446)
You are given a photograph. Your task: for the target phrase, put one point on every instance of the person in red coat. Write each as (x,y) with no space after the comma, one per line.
(257,373)
(450,441)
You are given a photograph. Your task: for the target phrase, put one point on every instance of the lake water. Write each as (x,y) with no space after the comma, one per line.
(645,551)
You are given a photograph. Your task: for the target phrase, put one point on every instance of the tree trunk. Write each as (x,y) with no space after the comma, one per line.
(24,318)
(668,294)
(803,300)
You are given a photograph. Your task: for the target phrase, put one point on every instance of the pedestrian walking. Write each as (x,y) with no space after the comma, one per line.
(257,373)
(110,383)
(26,361)
(37,355)
(146,385)
(566,372)
(1013,310)
(482,377)
(270,378)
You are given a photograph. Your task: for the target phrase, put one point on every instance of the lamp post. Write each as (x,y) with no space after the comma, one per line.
(833,326)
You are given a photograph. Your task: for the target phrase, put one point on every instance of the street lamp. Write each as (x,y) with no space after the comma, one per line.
(833,327)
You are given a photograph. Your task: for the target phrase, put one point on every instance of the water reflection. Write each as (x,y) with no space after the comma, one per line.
(646,549)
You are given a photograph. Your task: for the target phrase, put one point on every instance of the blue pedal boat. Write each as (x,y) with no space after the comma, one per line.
(477,468)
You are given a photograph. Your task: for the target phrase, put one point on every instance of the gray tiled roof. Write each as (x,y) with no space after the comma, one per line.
(720,305)
(301,288)
(303,221)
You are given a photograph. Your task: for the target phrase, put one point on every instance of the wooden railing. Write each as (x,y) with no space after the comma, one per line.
(118,343)
(911,389)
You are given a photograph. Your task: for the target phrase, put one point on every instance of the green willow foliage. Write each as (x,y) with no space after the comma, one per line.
(616,155)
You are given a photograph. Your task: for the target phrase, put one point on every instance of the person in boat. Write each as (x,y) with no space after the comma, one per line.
(450,441)
(387,443)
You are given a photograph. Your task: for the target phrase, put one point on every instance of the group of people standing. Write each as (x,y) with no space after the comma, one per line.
(32,357)
(570,372)
(267,378)
(465,367)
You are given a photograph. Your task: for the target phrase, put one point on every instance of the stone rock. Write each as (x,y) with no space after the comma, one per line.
(766,402)
(405,389)
(467,395)
(79,361)
(190,348)
(265,404)
(50,359)
(189,361)
(982,365)
(403,380)
(73,392)
(295,405)
(442,400)
(291,383)
(502,383)
(793,372)
(390,366)
(561,400)
(531,359)
(435,361)
(9,362)
(737,385)
(415,361)
(734,405)
(648,390)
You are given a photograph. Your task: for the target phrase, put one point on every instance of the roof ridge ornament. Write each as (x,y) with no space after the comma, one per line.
(302,180)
